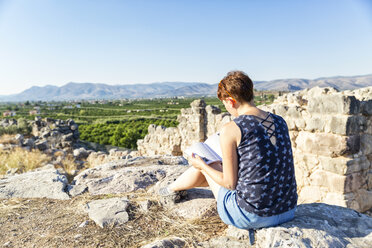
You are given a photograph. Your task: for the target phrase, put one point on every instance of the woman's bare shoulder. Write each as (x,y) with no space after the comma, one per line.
(229,129)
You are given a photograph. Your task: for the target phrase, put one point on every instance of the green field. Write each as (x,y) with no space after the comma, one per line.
(118,122)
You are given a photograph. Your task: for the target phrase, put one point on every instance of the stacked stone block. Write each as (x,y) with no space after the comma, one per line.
(192,124)
(55,134)
(196,124)
(332,144)
(160,141)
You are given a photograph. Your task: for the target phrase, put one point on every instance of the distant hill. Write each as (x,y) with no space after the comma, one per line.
(340,83)
(80,91)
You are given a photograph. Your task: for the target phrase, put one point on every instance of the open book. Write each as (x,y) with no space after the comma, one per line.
(209,151)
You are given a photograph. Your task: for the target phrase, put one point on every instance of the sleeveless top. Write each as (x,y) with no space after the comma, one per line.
(266,183)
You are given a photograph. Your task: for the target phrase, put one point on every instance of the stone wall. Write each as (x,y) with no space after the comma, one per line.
(55,134)
(195,124)
(331,135)
(46,134)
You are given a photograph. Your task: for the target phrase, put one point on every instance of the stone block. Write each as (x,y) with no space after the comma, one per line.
(108,211)
(355,181)
(334,104)
(291,123)
(315,123)
(343,165)
(336,199)
(334,182)
(310,194)
(366,144)
(302,174)
(337,183)
(281,109)
(366,107)
(309,161)
(327,144)
(160,128)
(344,124)
(318,91)
(300,123)
(151,129)
(364,199)
(186,111)
(41,145)
(211,109)
(198,112)
(200,103)
(294,112)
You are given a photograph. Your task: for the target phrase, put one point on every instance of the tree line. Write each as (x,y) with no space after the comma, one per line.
(123,134)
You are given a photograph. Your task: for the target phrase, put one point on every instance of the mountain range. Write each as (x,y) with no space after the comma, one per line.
(85,91)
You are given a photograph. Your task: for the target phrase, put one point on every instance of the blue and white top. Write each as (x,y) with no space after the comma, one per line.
(266,180)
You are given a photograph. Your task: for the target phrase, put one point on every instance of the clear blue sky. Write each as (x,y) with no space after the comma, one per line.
(123,42)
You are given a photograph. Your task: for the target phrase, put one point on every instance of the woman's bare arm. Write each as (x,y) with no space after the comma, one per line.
(229,138)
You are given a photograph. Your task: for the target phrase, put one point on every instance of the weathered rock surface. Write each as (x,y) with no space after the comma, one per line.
(173,242)
(127,175)
(146,174)
(48,183)
(108,211)
(199,203)
(315,225)
(98,158)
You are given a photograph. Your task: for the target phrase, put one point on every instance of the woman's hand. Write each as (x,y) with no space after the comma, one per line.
(197,161)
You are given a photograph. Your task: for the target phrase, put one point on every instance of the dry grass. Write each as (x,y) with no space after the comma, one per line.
(54,223)
(69,165)
(22,160)
(59,154)
(157,224)
(7,139)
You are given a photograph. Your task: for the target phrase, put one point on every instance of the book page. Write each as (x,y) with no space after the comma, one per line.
(204,151)
(214,143)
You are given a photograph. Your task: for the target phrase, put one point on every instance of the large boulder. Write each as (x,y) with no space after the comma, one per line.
(314,225)
(44,183)
(145,174)
(128,175)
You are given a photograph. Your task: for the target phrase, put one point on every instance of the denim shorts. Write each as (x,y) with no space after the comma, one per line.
(231,214)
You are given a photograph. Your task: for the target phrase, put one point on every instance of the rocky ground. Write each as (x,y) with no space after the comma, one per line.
(55,223)
(115,205)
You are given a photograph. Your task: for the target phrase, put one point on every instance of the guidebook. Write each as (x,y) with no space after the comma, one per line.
(209,151)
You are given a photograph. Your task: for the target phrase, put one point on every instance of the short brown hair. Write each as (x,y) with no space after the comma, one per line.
(236,84)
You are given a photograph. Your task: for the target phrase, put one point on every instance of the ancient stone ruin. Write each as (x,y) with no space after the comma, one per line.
(57,138)
(195,124)
(52,133)
(47,134)
(331,134)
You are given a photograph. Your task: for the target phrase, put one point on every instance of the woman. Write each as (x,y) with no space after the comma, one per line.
(255,186)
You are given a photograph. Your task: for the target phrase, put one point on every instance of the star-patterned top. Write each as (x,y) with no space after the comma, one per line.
(266,180)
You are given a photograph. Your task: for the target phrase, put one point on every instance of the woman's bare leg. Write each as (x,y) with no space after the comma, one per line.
(191,178)
(215,187)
